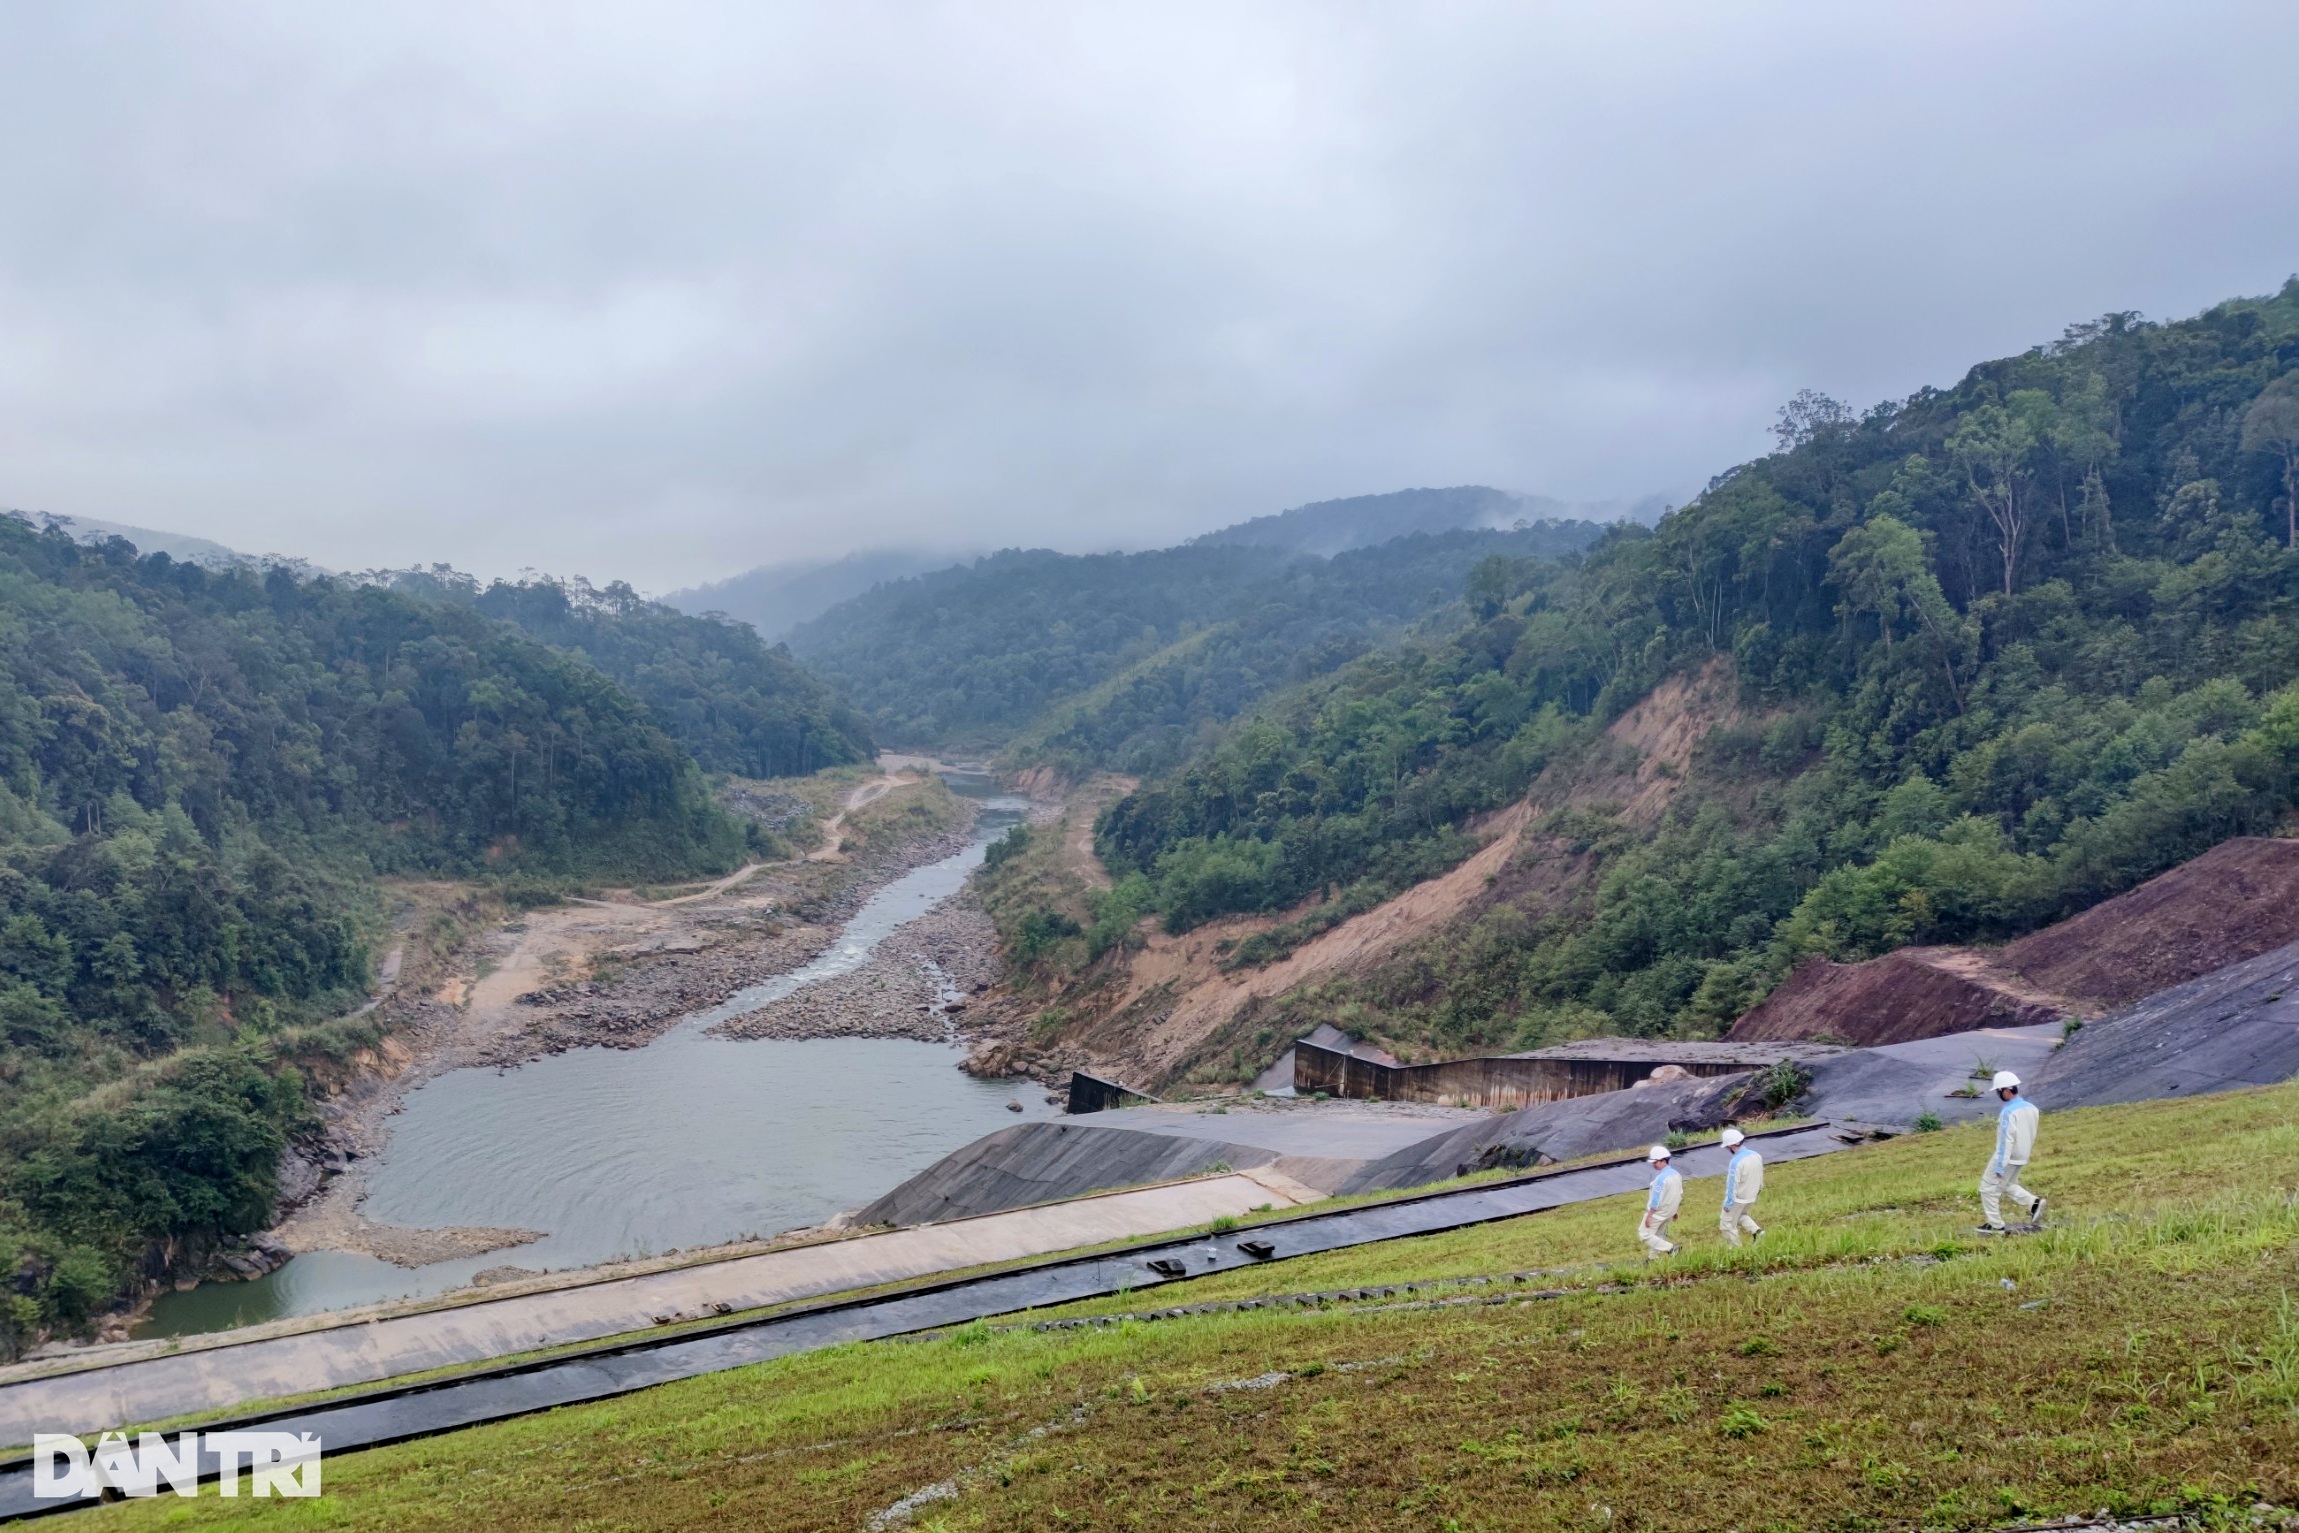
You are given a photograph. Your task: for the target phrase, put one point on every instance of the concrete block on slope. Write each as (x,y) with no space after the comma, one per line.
(1041,1162)
(1576,1126)
(2233,1028)
(1899,1083)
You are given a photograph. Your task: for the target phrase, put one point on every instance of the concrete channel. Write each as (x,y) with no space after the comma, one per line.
(394,1414)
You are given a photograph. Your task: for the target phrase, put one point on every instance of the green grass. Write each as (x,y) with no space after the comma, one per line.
(1871,1365)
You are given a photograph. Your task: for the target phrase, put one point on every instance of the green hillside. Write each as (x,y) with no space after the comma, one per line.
(200,774)
(736,703)
(2000,649)
(1309,622)
(981,652)
(1329,527)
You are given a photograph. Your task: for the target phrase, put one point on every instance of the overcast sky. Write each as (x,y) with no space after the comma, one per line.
(663,291)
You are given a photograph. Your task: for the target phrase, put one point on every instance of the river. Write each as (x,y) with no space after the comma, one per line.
(690,1141)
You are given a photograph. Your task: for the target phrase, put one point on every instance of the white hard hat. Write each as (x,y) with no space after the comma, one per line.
(1657,1152)
(1732,1136)
(2005,1080)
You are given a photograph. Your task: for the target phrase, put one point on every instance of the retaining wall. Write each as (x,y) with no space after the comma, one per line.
(1506,1082)
(1090,1093)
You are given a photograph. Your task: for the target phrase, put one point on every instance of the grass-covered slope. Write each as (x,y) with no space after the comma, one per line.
(1177,640)
(1869,1365)
(2001,650)
(200,773)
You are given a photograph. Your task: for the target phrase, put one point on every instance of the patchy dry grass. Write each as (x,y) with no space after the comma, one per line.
(911,811)
(1870,1366)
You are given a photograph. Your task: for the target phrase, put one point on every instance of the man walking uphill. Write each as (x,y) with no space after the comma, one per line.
(1743,1182)
(2015,1143)
(1660,1205)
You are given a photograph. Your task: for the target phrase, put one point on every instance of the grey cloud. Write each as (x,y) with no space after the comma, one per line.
(665,291)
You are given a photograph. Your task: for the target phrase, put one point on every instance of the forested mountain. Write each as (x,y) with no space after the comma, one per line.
(2000,649)
(200,770)
(1329,527)
(775,598)
(983,650)
(1310,620)
(176,545)
(735,703)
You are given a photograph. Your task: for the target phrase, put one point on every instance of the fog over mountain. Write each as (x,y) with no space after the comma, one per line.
(668,293)
(1364,521)
(192,550)
(775,598)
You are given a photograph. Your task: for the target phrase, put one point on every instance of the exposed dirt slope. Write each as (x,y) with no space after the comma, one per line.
(2235,902)
(1174,1002)
(1659,735)
(1917,992)
(1085,807)
(1207,999)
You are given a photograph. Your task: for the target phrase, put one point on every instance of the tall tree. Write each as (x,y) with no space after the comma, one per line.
(1992,447)
(1879,566)
(2272,425)
(2081,434)
(1808,417)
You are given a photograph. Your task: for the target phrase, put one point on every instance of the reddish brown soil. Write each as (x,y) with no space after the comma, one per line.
(1898,998)
(2236,901)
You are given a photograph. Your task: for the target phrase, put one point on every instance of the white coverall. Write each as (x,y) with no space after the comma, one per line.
(2015,1142)
(1743,1181)
(1659,1207)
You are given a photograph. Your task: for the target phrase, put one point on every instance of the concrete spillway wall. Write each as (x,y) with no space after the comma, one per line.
(1091,1093)
(1509,1082)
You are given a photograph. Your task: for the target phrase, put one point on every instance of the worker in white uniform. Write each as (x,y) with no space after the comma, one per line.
(1660,1205)
(1743,1182)
(2015,1144)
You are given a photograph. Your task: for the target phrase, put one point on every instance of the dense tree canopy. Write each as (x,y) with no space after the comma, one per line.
(1142,650)
(737,704)
(1316,618)
(199,773)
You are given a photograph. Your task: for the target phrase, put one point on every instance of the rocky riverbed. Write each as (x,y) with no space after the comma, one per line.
(646,986)
(919,983)
(646,992)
